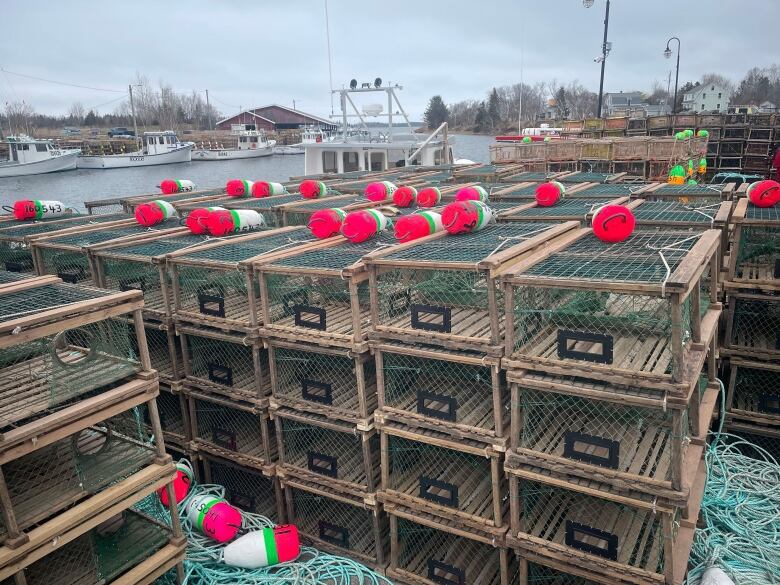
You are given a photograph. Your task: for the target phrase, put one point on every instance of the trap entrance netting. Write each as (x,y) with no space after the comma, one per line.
(443,390)
(247,490)
(217,364)
(601,528)
(441,476)
(447,558)
(349,527)
(698,213)
(755,390)
(59,475)
(51,371)
(633,440)
(756,326)
(759,252)
(169,408)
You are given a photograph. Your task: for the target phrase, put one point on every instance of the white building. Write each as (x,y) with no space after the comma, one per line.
(707,98)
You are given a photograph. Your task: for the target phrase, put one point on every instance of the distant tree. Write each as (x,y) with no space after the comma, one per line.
(91,119)
(76,113)
(19,115)
(561,107)
(436,113)
(686,87)
(482,119)
(493,109)
(657,94)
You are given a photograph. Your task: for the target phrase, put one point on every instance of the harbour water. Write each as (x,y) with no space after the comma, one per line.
(74,187)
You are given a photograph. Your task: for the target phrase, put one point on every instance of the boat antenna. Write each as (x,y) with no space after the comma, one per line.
(132,110)
(330,67)
(522,59)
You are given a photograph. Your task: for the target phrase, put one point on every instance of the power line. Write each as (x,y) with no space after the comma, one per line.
(223,103)
(61,82)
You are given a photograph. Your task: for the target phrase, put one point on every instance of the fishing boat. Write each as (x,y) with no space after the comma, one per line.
(158,148)
(31,156)
(250,144)
(309,135)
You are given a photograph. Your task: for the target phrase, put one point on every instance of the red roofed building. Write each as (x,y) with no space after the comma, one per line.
(275,117)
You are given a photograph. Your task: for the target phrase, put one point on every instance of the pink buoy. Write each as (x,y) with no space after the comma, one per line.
(463,217)
(417,225)
(231,221)
(312,189)
(613,223)
(361,225)
(380,191)
(197,220)
(172,186)
(326,223)
(238,188)
(548,194)
(404,196)
(38,209)
(181,485)
(429,197)
(154,212)
(764,193)
(475,193)
(266,189)
(214,517)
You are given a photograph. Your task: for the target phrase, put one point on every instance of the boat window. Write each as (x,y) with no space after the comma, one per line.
(14,156)
(253,139)
(329,164)
(437,156)
(242,139)
(351,161)
(377,161)
(24,147)
(41,147)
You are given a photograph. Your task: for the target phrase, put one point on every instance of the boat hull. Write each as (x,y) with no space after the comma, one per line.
(289,150)
(64,162)
(231,154)
(120,161)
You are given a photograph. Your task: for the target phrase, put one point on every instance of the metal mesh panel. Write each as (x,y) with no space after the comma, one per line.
(268,207)
(616,189)
(634,440)
(437,555)
(442,390)
(51,371)
(209,293)
(756,390)
(230,429)
(599,527)
(337,257)
(326,452)
(707,190)
(762,213)
(124,274)
(585,177)
(529,176)
(574,208)
(759,253)
(53,478)
(540,575)
(526,192)
(756,326)
(223,365)
(299,215)
(349,527)
(697,213)
(246,489)
(326,380)
(41,298)
(444,477)
(20,229)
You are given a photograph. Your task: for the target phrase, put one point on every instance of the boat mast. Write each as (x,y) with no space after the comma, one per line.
(132,110)
(330,68)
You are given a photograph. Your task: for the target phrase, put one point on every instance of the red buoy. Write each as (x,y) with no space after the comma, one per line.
(181,485)
(429,197)
(361,225)
(475,193)
(404,196)
(238,188)
(154,212)
(326,223)
(197,220)
(764,193)
(380,190)
(463,217)
(312,189)
(38,209)
(171,186)
(231,221)
(613,223)
(266,189)
(548,194)
(417,225)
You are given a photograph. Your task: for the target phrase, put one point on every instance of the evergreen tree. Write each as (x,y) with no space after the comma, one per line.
(494,114)
(481,120)
(436,113)
(91,119)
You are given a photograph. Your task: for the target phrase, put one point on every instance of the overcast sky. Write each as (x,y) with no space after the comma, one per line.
(251,52)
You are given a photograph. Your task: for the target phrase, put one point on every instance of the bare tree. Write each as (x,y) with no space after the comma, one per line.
(76,113)
(18,114)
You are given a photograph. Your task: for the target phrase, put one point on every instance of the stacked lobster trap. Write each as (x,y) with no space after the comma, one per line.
(81,440)
(752,339)
(605,346)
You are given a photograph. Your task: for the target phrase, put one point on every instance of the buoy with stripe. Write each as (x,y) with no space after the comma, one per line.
(238,187)
(213,517)
(154,212)
(232,221)
(702,166)
(429,197)
(417,225)
(263,548)
(361,225)
(613,223)
(764,193)
(312,189)
(404,196)
(266,189)
(38,209)
(380,190)
(171,186)
(197,219)
(463,217)
(548,194)
(475,193)
(181,485)
(326,223)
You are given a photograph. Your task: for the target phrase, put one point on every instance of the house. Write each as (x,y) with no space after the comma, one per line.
(767,107)
(631,103)
(275,117)
(707,98)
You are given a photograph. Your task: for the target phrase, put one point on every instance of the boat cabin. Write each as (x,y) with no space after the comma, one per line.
(346,157)
(160,142)
(23,149)
(252,140)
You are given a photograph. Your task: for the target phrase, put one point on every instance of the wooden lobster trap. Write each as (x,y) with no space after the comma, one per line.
(590,177)
(534,573)
(16,236)
(323,452)
(213,284)
(630,149)
(755,251)
(241,433)
(454,479)
(268,207)
(164,351)
(333,382)
(687,193)
(443,289)
(425,550)
(203,197)
(457,393)
(339,524)
(173,416)
(752,326)
(568,209)
(629,438)
(754,393)
(636,313)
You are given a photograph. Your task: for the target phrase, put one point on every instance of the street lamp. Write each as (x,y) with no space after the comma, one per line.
(604,50)
(668,55)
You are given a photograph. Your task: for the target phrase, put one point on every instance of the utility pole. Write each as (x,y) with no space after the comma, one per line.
(208,108)
(603,58)
(132,110)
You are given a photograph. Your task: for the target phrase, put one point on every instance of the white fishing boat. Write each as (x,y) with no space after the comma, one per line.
(31,156)
(250,144)
(159,148)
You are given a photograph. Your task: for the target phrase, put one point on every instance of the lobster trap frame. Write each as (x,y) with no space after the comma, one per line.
(332,382)
(686,192)
(225,364)
(585,308)
(568,209)
(457,393)
(203,196)
(755,248)
(339,524)
(318,451)
(174,418)
(456,480)
(268,207)
(752,326)
(754,393)
(443,289)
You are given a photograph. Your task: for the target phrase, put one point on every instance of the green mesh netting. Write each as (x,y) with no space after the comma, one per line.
(586,177)
(219,364)
(616,189)
(705,190)
(41,298)
(759,252)
(230,429)
(248,490)
(575,209)
(540,575)
(756,326)
(692,213)
(755,390)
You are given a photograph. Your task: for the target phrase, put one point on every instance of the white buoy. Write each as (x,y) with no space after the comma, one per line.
(715,576)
